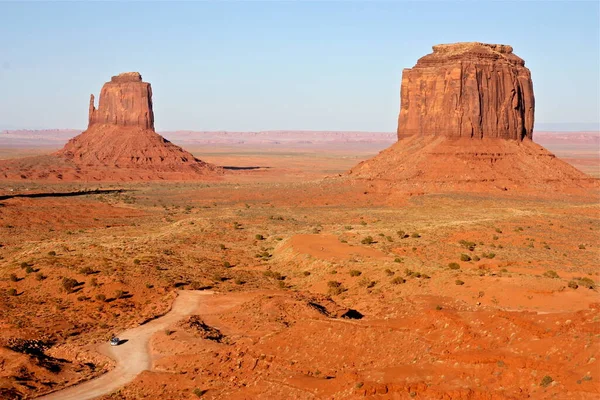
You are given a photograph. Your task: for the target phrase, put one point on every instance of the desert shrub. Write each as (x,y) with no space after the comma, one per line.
(222,246)
(136,261)
(226,264)
(100,297)
(546,381)
(467,245)
(119,294)
(476,258)
(259,237)
(367,283)
(551,274)
(87,270)
(465,257)
(398,260)
(582,247)
(169,332)
(149,286)
(199,392)
(93,282)
(587,283)
(401,234)
(69,284)
(81,298)
(40,277)
(24,265)
(453,265)
(382,235)
(367,240)
(498,230)
(355,272)
(495,237)
(239,281)
(52,253)
(306,273)
(29,269)
(425,276)
(503,270)
(389,239)
(415,235)
(438,307)
(488,255)
(13,278)
(348,228)
(573,285)
(333,272)
(416,274)
(358,385)
(398,280)
(11,292)
(335,288)
(459,282)
(237,225)
(363,223)
(389,272)
(273,274)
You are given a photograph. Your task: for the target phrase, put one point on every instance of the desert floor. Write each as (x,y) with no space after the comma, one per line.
(322,289)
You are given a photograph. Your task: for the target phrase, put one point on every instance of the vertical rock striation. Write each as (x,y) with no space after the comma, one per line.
(474,90)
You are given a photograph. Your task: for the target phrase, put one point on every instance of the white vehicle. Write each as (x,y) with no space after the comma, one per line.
(115,341)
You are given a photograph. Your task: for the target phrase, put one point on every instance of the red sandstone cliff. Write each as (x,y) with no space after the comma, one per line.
(468,90)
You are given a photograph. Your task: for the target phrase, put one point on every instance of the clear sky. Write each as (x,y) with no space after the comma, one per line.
(279,65)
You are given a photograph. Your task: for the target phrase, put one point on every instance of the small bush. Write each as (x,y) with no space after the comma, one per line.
(335,288)
(222,247)
(87,270)
(367,240)
(13,278)
(355,272)
(306,273)
(334,284)
(273,274)
(389,272)
(581,247)
(398,260)
(119,294)
(438,307)
(100,297)
(488,255)
(465,257)
(551,274)
(398,280)
(52,253)
(24,265)
(226,264)
(587,283)
(495,237)
(573,285)
(11,292)
(29,269)
(468,245)
(401,234)
(476,258)
(69,284)
(259,237)
(415,235)
(459,282)
(389,239)
(136,261)
(169,332)
(498,230)
(40,277)
(453,265)
(239,281)
(200,392)
(546,381)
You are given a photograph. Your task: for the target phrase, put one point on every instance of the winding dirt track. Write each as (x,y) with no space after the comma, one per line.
(133,356)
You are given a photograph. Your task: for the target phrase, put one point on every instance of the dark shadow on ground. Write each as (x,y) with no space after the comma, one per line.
(63,194)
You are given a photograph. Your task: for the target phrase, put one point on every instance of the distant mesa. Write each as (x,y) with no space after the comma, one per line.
(120,144)
(466,123)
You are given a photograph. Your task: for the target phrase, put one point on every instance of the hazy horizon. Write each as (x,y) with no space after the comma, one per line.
(239,66)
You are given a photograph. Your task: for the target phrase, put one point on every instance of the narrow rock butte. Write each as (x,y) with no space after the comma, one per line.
(120,144)
(468,90)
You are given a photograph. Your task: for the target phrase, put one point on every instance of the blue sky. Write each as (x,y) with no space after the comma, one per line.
(279,65)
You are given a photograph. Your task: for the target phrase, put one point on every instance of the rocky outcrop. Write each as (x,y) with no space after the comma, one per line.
(474,90)
(124,101)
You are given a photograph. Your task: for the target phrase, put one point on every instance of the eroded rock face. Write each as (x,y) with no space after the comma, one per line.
(467,90)
(124,101)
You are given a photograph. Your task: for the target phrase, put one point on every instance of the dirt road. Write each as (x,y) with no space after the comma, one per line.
(133,356)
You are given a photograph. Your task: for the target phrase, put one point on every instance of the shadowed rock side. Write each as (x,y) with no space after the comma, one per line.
(468,90)
(466,123)
(120,144)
